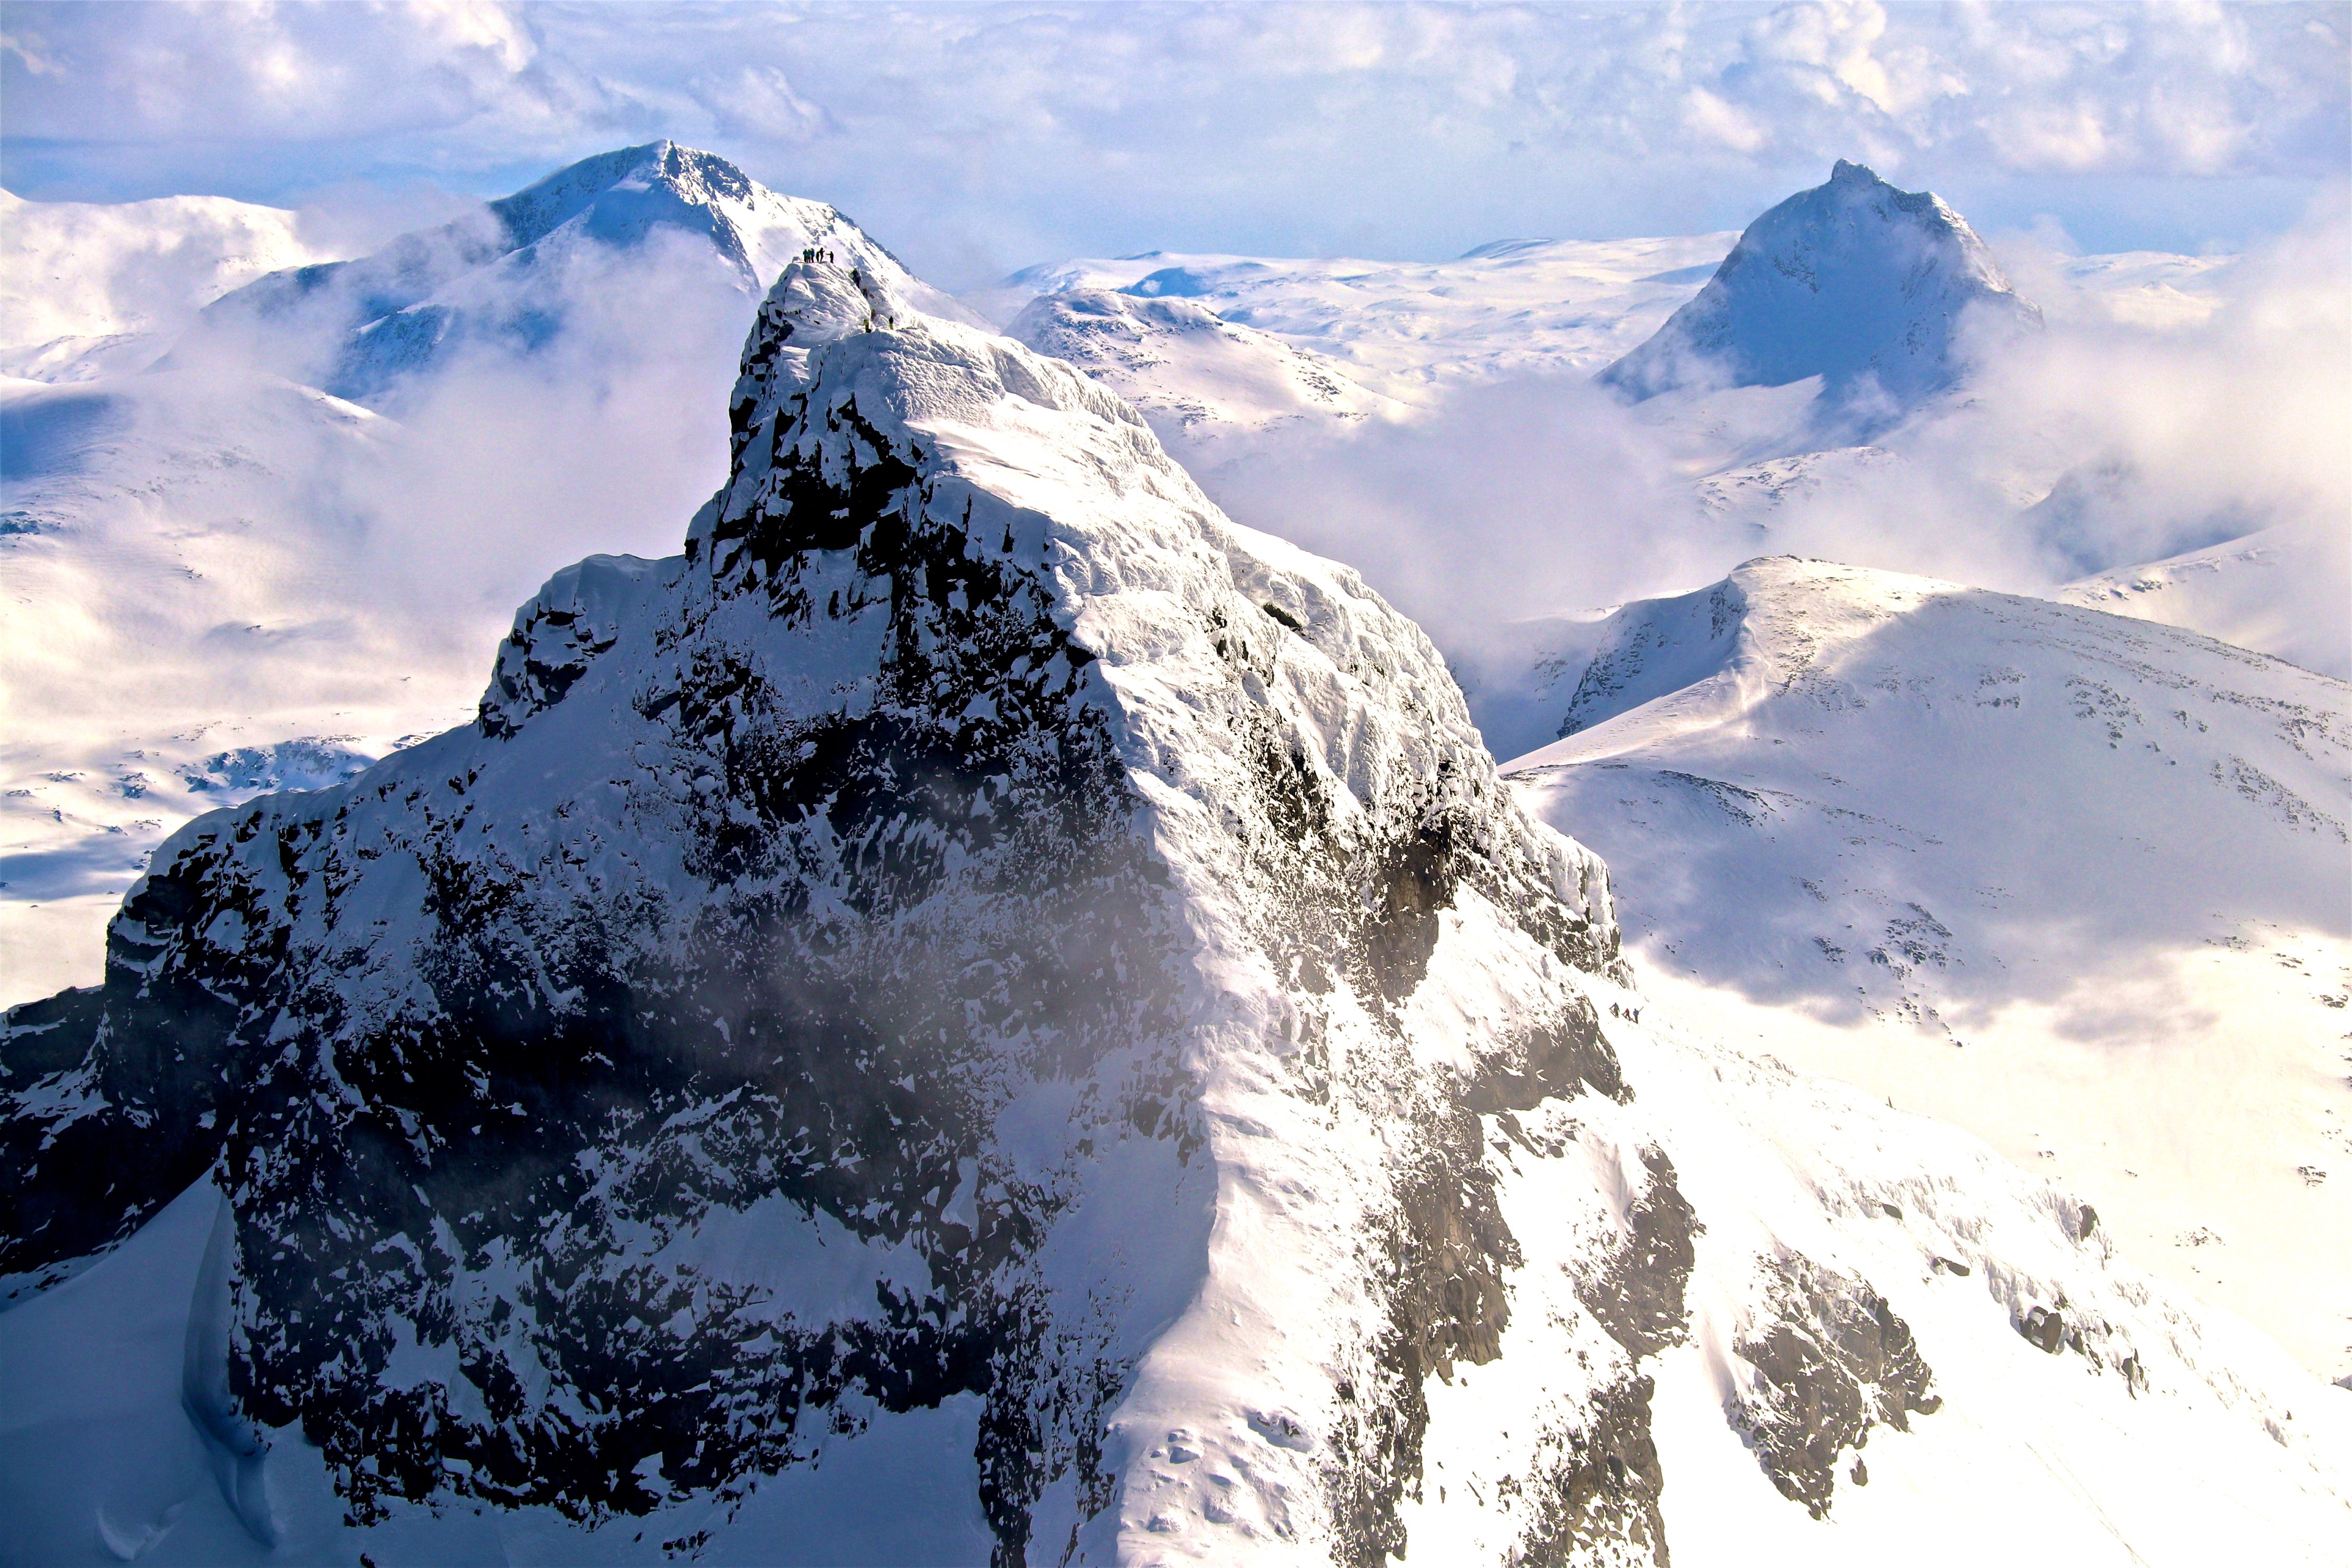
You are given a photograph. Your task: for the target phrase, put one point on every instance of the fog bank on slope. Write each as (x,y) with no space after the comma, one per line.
(2146,421)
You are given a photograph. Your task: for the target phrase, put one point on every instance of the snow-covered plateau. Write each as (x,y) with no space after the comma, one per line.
(90,288)
(983,1012)
(2078,882)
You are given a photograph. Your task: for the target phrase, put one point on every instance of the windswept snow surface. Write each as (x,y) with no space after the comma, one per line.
(1211,389)
(981,950)
(186,572)
(1534,306)
(2079,883)
(2286,591)
(87,287)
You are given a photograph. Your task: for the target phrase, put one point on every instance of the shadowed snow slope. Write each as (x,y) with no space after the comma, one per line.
(982,999)
(1854,282)
(2107,856)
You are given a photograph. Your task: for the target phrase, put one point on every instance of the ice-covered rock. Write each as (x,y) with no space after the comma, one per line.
(1854,282)
(984,994)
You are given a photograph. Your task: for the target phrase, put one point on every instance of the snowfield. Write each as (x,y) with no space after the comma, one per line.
(2076,882)
(91,288)
(2256,592)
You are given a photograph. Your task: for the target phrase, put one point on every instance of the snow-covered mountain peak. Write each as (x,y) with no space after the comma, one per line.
(814,302)
(985,1011)
(507,274)
(625,192)
(1855,281)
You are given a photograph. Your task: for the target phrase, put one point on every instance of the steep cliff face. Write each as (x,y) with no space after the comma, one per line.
(1854,282)
(905,868)
(979,940)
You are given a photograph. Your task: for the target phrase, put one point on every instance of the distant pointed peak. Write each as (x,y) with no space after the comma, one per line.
(1854,280)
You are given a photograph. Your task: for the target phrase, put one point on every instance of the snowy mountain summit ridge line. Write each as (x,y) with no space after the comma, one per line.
(1853,281)
(981,962)
(498,273)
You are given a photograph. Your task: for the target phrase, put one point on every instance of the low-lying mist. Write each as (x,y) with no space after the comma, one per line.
(2106,440)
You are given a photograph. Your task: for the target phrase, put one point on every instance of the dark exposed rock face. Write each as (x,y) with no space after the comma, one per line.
(1596,1490)
(1831,1363)
(1637,1292)
(910,913)
(771,882)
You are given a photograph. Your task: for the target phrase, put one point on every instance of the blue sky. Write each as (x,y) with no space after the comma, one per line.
(976,139)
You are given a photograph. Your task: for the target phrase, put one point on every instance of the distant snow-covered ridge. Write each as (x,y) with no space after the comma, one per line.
(501,274)
(2269,590)
(2076,881)
(1206,384)
(89,288)
(1405,328)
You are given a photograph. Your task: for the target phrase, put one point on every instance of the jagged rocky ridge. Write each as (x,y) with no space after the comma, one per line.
(981,927)
(1854,282)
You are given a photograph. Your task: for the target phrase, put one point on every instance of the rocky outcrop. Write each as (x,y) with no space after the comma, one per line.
(776,888)
(1830,1362)
(978,962)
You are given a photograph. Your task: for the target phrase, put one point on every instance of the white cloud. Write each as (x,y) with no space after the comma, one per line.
(1010,132)
(1710,117)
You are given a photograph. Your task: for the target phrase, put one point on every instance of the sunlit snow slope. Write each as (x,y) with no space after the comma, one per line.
(1211,389)
(2077,882)
(2257,592)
